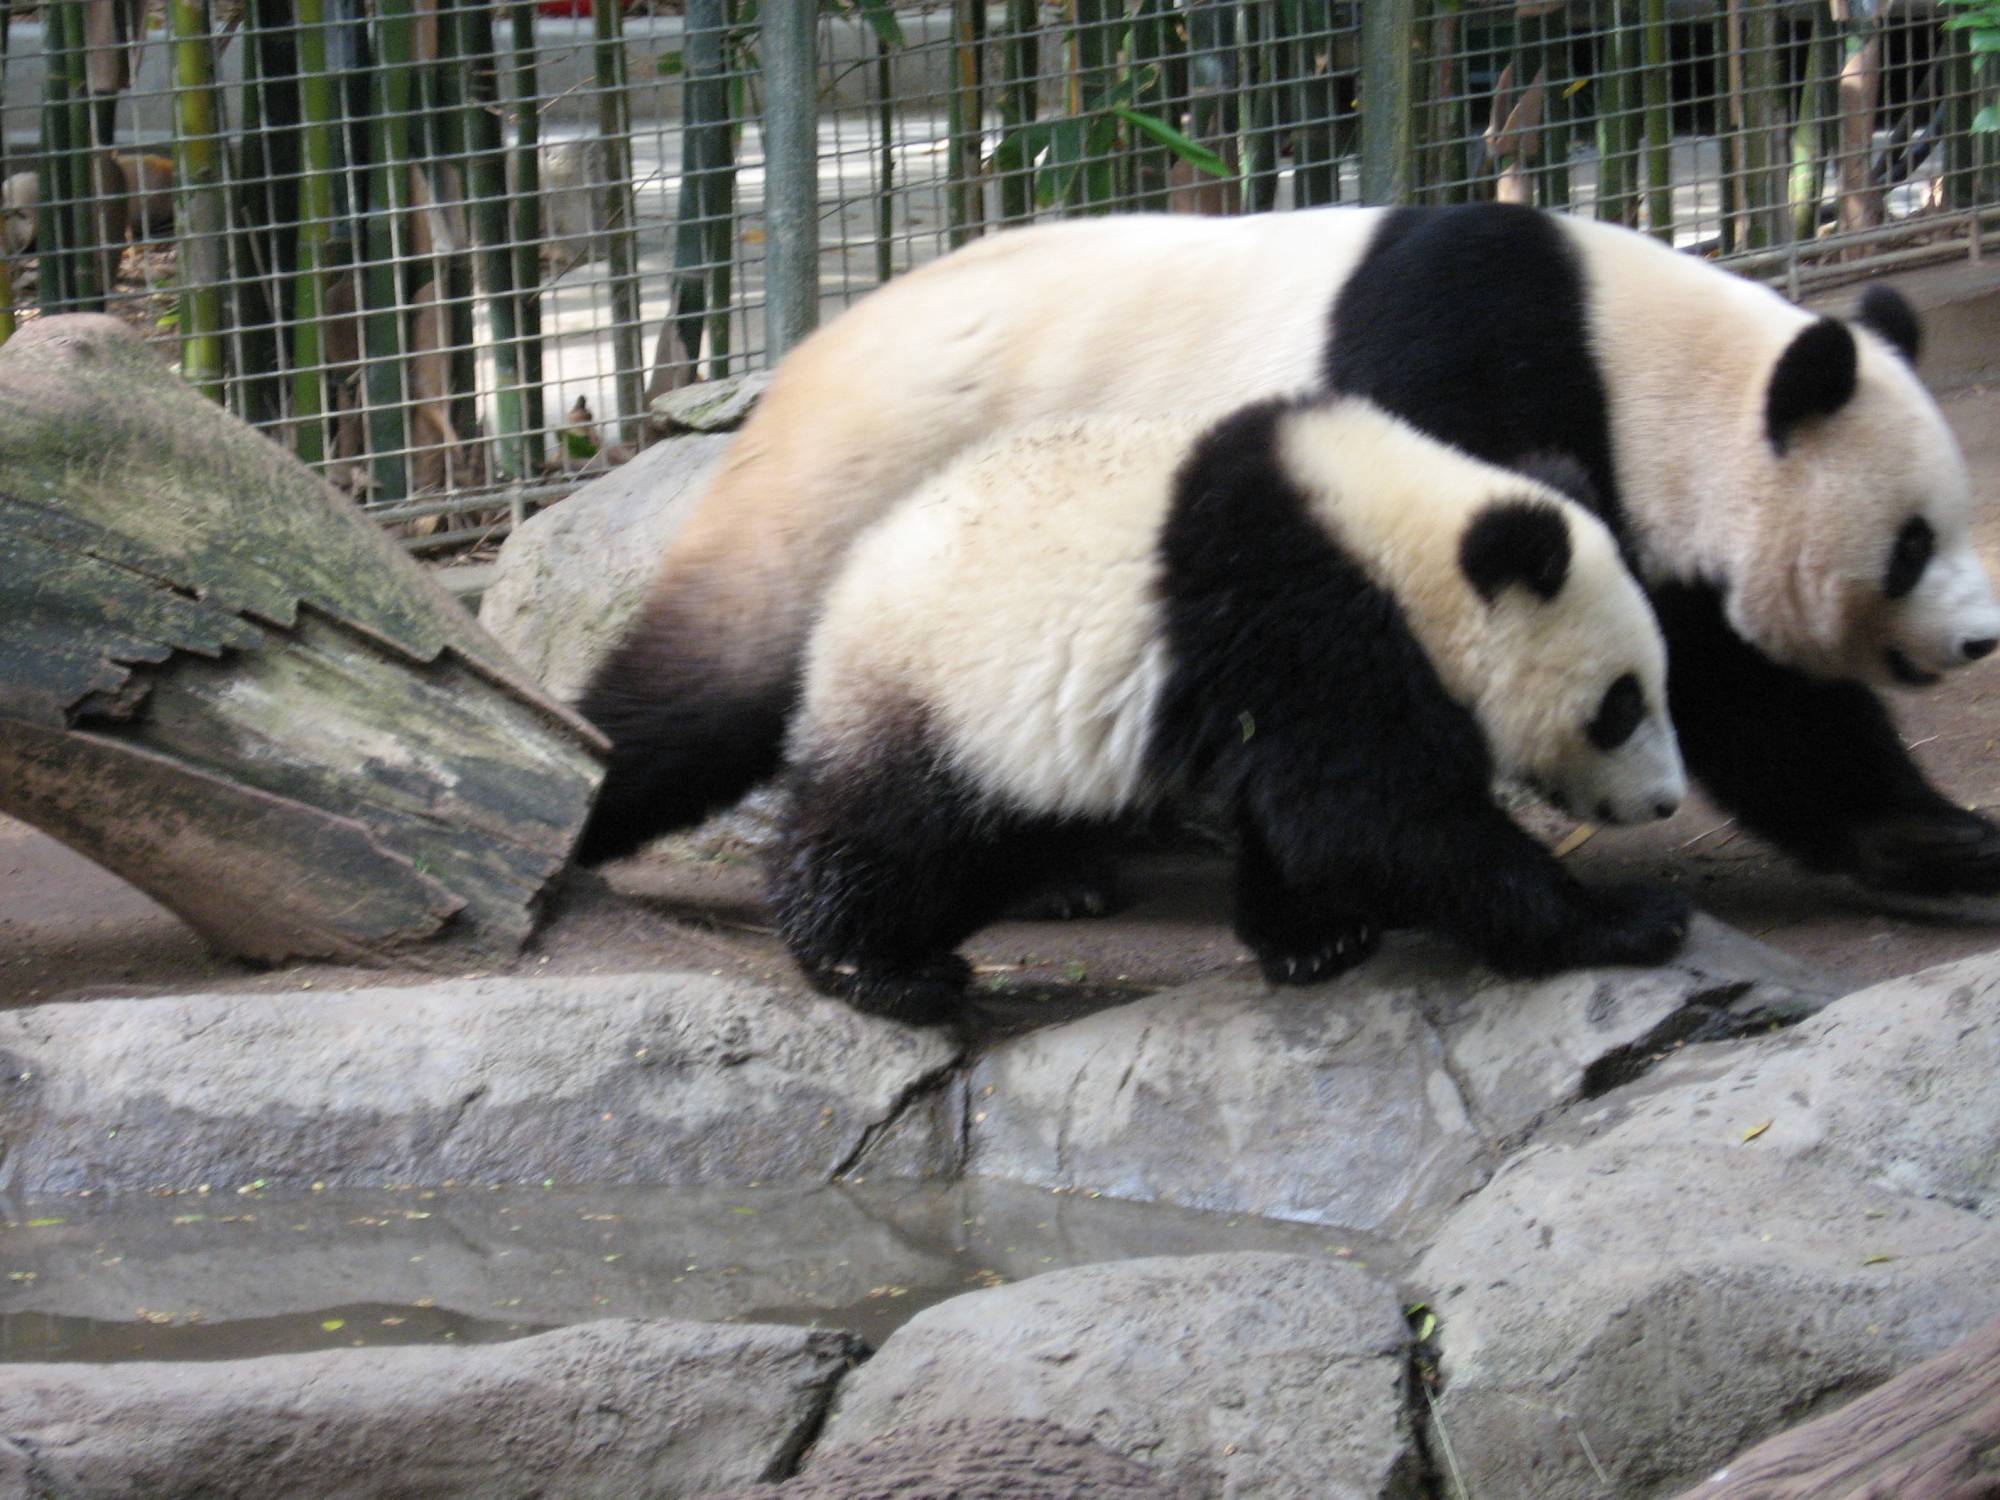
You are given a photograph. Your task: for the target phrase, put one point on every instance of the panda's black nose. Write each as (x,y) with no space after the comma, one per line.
(1665,809)
(1975,649)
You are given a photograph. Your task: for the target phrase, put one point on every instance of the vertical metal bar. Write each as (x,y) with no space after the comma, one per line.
(1387,30)
(791,183)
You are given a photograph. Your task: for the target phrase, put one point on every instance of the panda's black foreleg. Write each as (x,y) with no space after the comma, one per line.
(1449,859)
(1813,765)
(1299,933)
(1474,875)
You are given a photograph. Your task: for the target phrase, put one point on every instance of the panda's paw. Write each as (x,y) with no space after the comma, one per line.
(1941,852)
(1640,925)
(1320,958)
(928,993)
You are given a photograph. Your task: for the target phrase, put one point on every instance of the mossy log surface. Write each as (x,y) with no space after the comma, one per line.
(1932,1433)
(221,681)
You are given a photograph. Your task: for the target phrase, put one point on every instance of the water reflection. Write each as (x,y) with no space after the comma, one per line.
(197,1278)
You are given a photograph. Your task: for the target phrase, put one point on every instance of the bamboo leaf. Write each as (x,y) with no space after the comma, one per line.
(1988,119)
(1021,148)
(1066,146)
(1190,151)
(881,18)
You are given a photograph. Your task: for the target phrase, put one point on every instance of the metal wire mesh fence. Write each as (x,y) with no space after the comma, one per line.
(452,251)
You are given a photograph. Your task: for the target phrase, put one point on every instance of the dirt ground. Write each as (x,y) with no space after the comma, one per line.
(69,931)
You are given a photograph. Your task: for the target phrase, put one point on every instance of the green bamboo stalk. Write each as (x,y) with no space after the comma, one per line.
(52,229)
(392,84)
(1659,124)
(1816,103)
(449,172)
(89,230)
(1147,163)
(312,280)
(615,215)
(1618,118)
(525,221)
(708,187)
(1258,142)
(487,177)
(265,209)
(6,299)
(1750,94)
(1315,163)
(1020,61)
(1093,48)
(965,109)
(204,217)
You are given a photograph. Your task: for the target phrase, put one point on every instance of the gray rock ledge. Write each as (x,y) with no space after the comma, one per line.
(605,1411)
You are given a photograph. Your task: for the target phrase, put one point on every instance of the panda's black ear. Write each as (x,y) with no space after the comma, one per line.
(1516,541)
(1814,378)
(1561,473)
(1886,311)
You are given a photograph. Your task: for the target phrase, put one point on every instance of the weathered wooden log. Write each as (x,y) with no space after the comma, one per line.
(1932,1433)
(222,682)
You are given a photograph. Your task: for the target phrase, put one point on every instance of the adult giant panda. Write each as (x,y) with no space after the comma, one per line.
(1782,483)
(1341,626)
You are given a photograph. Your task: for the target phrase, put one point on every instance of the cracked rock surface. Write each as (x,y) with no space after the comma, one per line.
(1238,1375)
(671,1079)
(603,1411)
(1373,1103)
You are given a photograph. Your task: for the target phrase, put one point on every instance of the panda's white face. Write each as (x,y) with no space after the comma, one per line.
(1573,689)
(1518,596)
(1863,562)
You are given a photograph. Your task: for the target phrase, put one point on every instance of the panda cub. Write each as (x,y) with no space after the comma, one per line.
(1343,627)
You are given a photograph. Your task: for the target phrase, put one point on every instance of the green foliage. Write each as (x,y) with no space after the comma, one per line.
(1980,19)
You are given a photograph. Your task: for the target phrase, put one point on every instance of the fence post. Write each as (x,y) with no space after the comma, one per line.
(1388,28)
(791,182)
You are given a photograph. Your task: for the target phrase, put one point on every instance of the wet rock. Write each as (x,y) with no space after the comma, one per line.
(1374,1102)
(996,1460)
(1894,1084)
(568,582)
(1238,1374)
(610,1410)
(673,1079)
(1618,1318)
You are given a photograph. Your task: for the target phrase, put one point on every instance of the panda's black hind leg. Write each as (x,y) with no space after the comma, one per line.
(1814,766)
(882,868)
(1298,935)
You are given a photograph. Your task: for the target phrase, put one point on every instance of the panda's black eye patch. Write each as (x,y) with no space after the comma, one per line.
(1915,543)
(1621,712)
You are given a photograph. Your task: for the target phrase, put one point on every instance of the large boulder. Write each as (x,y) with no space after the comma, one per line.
(672,1079)
(1618,1318)
(1372,1103)
(569,580)
(1894,1084)
(611,1410)
(1239,1375)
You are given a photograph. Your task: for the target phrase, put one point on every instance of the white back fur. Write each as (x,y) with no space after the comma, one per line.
(1013,599)
(1145,314)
